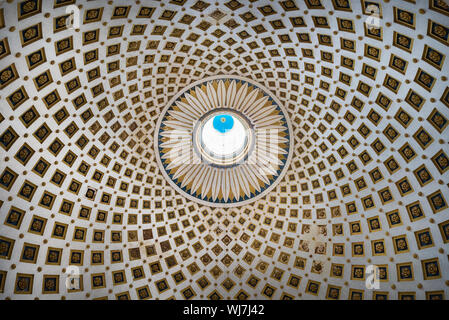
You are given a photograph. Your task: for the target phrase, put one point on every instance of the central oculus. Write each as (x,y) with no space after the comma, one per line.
(223,137)
(223,141)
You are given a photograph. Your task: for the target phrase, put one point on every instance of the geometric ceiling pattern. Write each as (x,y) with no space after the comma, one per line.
(367,184)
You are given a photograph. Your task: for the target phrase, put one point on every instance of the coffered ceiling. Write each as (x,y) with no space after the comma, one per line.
(367,184)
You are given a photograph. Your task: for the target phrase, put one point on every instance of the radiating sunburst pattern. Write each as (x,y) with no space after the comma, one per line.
(244,181)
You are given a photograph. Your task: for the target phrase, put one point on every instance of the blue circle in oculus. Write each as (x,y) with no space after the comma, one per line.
(223,123)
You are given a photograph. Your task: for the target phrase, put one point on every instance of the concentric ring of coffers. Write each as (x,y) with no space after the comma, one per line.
(225,173)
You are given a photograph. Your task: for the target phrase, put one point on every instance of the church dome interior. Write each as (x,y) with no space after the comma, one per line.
(96,204)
